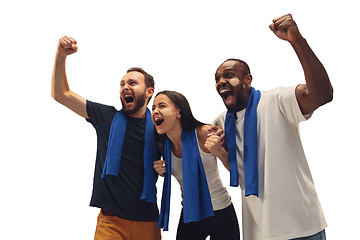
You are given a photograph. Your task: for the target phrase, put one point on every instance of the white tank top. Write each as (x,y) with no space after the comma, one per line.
(220,198)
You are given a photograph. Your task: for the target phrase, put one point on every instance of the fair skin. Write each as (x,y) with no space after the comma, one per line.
(132,84)
(166,118)
(316,92)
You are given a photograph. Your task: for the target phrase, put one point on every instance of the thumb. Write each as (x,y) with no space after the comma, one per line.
(272,27)
(74,47)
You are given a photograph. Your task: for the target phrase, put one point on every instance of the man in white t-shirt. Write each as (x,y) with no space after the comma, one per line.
(285,205)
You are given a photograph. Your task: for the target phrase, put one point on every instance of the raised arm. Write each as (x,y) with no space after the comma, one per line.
(60,90)
(318,90)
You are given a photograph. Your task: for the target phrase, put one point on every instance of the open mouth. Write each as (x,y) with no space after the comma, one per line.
(128,98)
(227,95)
(158,121)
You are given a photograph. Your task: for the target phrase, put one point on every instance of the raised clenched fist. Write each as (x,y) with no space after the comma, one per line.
(67,46)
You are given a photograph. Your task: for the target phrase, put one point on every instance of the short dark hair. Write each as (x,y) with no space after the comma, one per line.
(149,80)
(245,65)
(187,120)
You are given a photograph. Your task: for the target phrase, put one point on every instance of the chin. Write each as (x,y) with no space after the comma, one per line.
(160,132)
(232,108)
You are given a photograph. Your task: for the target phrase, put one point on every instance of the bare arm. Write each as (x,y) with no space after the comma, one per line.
(318,90)
(60,90)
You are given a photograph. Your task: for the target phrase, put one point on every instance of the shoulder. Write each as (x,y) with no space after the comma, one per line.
(277,96)
(97,112)
(202,131)
(202,134)
(284,101)
(219,121)
(279,91)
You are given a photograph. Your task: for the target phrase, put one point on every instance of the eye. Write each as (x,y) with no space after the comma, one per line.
(228,75)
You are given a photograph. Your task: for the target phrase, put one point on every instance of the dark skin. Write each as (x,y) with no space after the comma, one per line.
(234,84)
(316,92)
(228,73)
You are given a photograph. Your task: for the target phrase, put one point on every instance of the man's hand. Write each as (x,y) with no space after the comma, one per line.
(159,167)
(216,130)
(67,46)
(285,28)
(318,90)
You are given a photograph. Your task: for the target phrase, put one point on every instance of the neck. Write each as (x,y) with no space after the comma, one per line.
(245,99)
(175,138)
(139,114)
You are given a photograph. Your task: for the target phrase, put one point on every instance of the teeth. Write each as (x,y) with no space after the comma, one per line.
(158,121)
(225,90)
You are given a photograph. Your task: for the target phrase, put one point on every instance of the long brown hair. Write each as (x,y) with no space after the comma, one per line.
(187,120)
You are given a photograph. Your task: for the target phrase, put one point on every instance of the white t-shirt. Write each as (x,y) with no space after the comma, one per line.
(220,197)
(288,206)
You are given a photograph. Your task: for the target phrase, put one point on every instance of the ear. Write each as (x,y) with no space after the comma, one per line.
(149,92)
(179,114)
(248,79)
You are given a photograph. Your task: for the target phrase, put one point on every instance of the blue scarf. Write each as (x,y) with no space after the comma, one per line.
(196,197)
(114,151)
(250,145)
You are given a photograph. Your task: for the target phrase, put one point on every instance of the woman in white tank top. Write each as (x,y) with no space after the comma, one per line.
(171,114)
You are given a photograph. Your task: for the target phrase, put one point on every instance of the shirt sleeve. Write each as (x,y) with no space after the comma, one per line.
(219,121)
(98,112)
(289,105)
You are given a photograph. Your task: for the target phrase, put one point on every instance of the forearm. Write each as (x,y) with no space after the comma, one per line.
(318,83)
(59,83)
(222,154)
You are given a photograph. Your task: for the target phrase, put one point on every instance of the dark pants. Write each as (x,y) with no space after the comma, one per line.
(223,225)
(319,236)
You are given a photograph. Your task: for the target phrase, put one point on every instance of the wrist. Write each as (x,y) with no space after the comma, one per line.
(60,56)
(300,40)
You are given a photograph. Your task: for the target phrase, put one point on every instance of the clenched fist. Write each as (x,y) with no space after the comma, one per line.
(285,28)
(67,46)
(159,167)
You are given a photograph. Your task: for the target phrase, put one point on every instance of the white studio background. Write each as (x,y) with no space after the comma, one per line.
(48,152)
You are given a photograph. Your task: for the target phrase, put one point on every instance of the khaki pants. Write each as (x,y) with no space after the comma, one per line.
(111,227)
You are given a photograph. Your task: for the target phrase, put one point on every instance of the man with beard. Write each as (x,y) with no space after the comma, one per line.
(126,192)
(264,151)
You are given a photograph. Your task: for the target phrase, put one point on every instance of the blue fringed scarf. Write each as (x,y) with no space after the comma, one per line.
(250,145)
(196,197)
(114,151)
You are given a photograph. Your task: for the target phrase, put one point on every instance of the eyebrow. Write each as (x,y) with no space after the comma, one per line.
(130,79)
(228,68)
(162,102)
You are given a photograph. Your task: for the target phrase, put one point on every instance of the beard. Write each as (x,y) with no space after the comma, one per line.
(239,101)
(139,103)
(237,106)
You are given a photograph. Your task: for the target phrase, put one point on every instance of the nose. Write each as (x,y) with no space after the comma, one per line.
(125,86)
(221,82)
(155,111)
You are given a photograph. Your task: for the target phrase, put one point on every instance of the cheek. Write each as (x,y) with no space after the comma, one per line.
(137,89)
(167,112)
(234,82)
